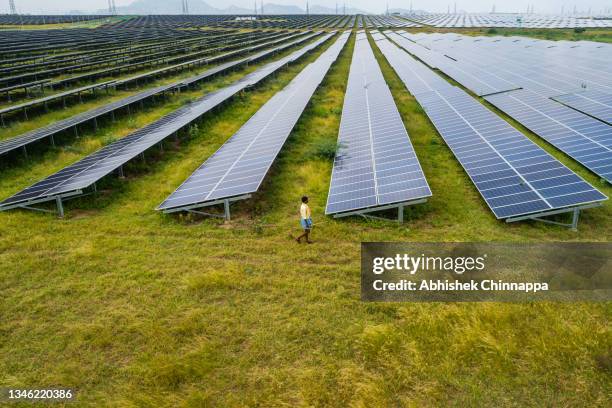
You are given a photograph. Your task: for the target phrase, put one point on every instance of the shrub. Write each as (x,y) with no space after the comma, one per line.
(324,149)
(579,30)
(491,31)
(194,130)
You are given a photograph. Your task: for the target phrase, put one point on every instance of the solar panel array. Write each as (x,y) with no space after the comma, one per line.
(597,103)
(388,21)
(25,139)
(543,70)
(376,164)
(84,173)
(20,141)
(514,175)
(240,165)
(508,20)
(583,138)
(240,21)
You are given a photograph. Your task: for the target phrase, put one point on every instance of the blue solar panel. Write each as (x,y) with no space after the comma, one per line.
(416,76)
(581,137)
(514,175)
(597,103)
(376,164)
(240,165)
(72,179)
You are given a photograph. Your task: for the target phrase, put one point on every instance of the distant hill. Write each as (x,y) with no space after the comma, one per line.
(316,9)
(236,10)
(201,7)
(166,7)
(406,11)
(271,8)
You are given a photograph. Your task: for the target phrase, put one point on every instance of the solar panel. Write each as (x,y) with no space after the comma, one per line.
(597,104)
(48,131)
(375,165)
(25,139)
(73,179)
(514,175)
(548,67)
(586,140)
(240,165)
(417,77)
(40,101)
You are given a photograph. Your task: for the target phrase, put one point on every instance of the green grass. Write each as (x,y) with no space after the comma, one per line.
(135,308)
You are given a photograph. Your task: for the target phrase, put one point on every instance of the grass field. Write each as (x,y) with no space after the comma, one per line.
(135,308)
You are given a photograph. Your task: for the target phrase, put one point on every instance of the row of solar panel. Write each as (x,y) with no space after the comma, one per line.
(17,142)
(576,124)
(375,164)
(73,179)
(514,176)
(240,165)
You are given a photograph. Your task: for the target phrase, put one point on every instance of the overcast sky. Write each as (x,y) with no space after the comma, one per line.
(375,6)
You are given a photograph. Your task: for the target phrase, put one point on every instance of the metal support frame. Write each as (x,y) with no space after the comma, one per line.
(59,199)
(365,213)
(226,207)
(574,210)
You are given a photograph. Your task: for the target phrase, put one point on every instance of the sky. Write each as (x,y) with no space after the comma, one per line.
(374,6)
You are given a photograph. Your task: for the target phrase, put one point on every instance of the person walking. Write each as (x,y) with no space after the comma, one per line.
(305,221)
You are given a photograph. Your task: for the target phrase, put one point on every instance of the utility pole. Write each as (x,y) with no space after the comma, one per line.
(455,12)
(307,8)
(13,8)
(186,6)
(344,9)
(262,9)
(336,8)
(255,8)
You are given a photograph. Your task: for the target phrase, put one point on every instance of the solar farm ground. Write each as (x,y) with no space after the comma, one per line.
(135,308)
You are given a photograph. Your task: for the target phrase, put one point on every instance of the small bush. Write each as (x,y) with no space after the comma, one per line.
(324,149)
(491,31)
(579,30)
(194,130)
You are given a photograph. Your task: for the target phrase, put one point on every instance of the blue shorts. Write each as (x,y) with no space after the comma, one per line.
(306,223)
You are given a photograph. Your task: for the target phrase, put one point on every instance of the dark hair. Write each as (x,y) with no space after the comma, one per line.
(304,199)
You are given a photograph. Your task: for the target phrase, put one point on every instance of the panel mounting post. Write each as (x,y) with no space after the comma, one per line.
(60,207)
(575,218)
(226,206)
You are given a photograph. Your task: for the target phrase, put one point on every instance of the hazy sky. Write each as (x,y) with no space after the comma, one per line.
(377,6)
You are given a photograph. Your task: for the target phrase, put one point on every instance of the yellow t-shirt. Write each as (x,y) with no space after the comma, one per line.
(305,211)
